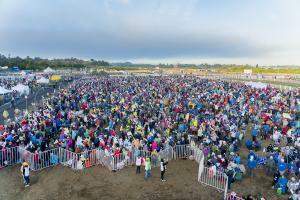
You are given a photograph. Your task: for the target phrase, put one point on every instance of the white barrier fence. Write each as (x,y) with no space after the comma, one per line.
(213,178)
(42,160)
(9,156)
(69,158)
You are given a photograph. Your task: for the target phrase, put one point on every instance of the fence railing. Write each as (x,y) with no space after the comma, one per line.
(213,178)
(9,156)
(69,159)
(42,160)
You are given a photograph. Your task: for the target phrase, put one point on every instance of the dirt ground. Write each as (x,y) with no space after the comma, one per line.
(60,183)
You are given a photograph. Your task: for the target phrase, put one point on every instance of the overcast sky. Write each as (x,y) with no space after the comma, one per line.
(265,32)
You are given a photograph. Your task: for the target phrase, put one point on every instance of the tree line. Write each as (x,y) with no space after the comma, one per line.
(38,63)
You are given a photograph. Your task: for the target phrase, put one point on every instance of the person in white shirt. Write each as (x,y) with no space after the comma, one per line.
(163,166)
(138,163)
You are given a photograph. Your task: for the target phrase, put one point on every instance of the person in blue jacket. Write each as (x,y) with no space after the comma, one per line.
(237,159)
(251,163)
(282,183)
(254,134)
(282,166)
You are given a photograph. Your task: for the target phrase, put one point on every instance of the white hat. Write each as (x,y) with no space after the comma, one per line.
(293,179)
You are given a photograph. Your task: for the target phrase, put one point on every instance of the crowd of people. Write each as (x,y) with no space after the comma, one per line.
(147,113)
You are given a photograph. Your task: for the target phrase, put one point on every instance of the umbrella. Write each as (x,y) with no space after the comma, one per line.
(55,78)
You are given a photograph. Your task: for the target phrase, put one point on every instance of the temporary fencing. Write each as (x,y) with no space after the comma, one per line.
(182,151)
(41,160)
(9,156)
(213,178)
(91,158)
(70,159)
(167,153)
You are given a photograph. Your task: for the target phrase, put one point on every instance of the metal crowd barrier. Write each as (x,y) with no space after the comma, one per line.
(41,160)
(167,153)
(9,156)
(69,159)
(182,151)
(215,179)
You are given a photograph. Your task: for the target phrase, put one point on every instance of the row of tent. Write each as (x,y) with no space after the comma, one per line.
(22,89)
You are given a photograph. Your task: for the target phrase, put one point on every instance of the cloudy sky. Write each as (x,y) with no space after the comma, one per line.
(265,32)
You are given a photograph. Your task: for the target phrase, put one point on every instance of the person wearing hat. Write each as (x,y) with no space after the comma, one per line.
(25,173)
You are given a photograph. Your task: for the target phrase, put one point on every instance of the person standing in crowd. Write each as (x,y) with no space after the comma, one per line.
(147,168)
(163,166)
(139,161)
(275,178)
(251,162)
(270,166)
(25,173)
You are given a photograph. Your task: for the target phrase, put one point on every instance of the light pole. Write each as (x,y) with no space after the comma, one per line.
(26,103)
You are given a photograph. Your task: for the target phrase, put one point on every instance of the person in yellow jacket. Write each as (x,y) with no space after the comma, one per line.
(25,173)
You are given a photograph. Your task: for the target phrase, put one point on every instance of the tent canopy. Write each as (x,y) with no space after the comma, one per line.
(4,91)
(258,85)
(22,89)
(49,70)
(43,80)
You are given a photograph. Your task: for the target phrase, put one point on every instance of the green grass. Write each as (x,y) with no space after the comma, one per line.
(259,70)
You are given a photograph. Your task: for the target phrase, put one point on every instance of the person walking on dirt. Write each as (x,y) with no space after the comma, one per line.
(163,166)
(139,161)
(25,173)
(147,168)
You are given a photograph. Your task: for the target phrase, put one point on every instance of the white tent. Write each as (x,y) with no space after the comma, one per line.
(22,89)
(4,91)
(48,70)
(43,80)
(258,85)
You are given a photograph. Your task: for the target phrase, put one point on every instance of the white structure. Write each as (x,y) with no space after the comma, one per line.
(43,80)
(49,70)
(22,89)
(258,85)
(4,91)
